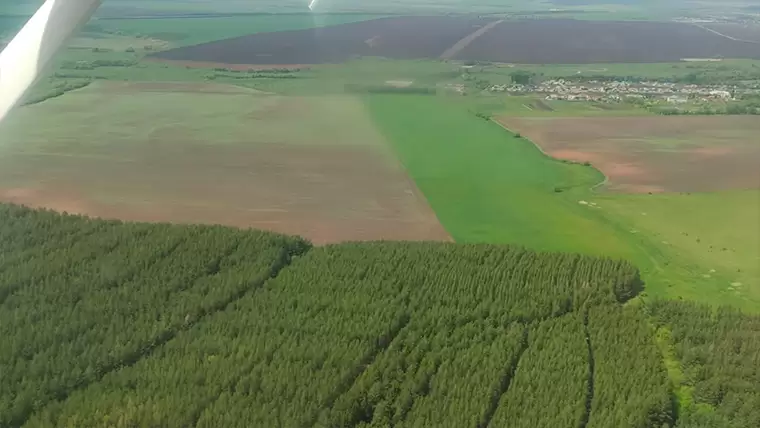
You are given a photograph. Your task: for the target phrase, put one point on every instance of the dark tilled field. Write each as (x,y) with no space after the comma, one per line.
(400,38)
(576,42)
(550,41)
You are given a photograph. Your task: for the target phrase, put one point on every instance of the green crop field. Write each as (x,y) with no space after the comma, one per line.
(190,31)
(711,238)
(204,113)
(486,185)
(527,106)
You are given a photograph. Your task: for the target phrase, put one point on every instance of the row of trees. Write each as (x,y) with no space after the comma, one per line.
(735,108)
(631,386)
(97,63)
(273,358)
(92,301)
(719,352)
(59,89)
(432,376)
(410,334)
(551,385)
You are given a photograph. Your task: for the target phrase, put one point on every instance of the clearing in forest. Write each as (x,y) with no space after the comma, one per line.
(208,153)
(654,154)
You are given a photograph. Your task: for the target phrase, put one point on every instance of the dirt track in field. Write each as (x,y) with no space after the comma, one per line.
(548,41)
(655,154)
(746,32)
(467,41)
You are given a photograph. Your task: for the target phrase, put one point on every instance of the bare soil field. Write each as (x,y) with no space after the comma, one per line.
(399,38)
(550,41)
(134,158)
(654,154)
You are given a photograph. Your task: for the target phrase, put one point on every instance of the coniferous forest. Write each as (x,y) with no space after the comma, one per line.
(112,324)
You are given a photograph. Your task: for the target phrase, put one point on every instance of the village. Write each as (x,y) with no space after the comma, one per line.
(616,91)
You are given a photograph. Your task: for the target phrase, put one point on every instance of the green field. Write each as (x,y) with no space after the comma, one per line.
(486,185)
(203,113)
(191,31)
(711,239)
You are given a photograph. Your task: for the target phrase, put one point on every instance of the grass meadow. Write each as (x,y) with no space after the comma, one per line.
(486,185)
(708,242)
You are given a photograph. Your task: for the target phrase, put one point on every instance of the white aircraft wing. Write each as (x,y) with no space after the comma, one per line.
(29,54)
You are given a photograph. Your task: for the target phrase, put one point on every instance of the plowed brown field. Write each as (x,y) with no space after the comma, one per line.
(655,154)
(315,167)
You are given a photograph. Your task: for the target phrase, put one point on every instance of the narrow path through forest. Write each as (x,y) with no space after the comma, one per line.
(506,380)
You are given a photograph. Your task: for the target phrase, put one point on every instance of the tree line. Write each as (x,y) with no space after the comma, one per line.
(551,384)
(106,323)
(719,353)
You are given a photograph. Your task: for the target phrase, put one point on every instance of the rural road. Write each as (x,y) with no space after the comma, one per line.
(452,51)
(725,35)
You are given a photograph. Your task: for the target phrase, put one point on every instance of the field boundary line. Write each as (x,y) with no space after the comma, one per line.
(467,40)
(735,39)
(543,152)
(419,195)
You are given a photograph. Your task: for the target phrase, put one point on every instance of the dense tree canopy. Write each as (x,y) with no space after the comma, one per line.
(111,324)
(82,298)
(551,385)
(631,386)
(719,351)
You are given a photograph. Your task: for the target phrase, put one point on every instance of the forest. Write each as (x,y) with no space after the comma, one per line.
(113,324)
